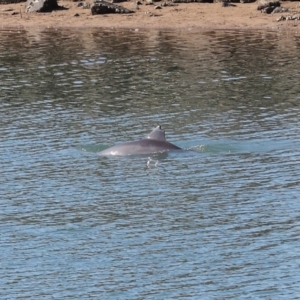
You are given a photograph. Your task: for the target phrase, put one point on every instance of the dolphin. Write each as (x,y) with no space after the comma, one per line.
(154,142)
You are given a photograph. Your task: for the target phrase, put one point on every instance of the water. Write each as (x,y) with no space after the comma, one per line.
(219,222)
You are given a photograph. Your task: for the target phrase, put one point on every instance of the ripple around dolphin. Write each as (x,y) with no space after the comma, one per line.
(92,148)
(190,150)
(208,146)
(217,147)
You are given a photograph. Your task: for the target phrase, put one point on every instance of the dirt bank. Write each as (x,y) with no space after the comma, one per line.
(185,15)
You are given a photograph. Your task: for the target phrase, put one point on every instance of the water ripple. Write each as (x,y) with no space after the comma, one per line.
(220,221)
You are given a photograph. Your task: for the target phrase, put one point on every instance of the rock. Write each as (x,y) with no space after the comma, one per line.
(226,3)
(274,9)
(268,9)
(282,18)
(267,3)
(247,1)
(7,9)
(149,2)
(84,5)
(104,7)
(268,6)
(157,7)
(76,15)
(279,9)
(290,17)
(294,17)
(41,6)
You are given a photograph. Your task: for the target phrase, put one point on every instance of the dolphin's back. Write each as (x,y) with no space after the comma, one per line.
(154,142)
(144,146)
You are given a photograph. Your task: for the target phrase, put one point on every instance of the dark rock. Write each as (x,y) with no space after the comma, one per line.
(273,7)
(267,3)
(227,3)
(103,7)
(41,6)
(11,1)
(76,15)
(268,9)
(247,1)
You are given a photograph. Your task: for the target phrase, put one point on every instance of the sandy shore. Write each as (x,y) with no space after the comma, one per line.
(183,16)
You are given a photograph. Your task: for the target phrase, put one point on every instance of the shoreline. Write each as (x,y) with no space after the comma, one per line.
(185,16)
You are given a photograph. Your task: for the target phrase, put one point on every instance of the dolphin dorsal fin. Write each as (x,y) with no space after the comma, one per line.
(157,134)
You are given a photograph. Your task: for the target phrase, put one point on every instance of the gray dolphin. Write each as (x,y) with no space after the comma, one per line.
(155,142)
